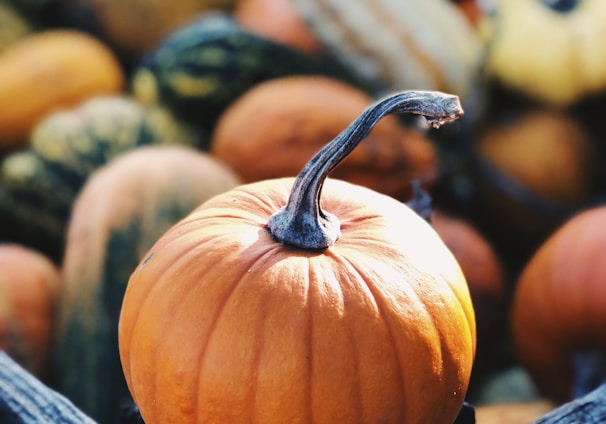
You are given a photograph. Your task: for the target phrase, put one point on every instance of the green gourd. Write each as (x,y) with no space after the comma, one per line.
(198,70)
(38,184)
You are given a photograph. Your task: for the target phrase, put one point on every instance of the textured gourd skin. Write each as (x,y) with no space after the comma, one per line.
(29,283)
(201,68)
(274,128)
(122,209)
(51,70)
(38,185)
(557,309)
(221,323)
(24,398)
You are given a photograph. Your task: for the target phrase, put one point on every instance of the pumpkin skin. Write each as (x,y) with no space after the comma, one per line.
(28,285)
(485,275)
(120,212)
(262,136)
(546,49)
(556,310)
(51,70)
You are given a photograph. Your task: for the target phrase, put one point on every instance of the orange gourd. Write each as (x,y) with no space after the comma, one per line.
(558,317)
(302,300)
(28,284)
(51,70)
(136,27)
(532,171)
(273,129)
(544,150)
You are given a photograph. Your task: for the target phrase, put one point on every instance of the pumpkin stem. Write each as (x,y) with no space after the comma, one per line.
(302,223)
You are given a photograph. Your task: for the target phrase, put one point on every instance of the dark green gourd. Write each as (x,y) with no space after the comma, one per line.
(38,184)
(201,68)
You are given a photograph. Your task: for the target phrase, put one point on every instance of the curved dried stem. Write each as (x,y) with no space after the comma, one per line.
(302,223)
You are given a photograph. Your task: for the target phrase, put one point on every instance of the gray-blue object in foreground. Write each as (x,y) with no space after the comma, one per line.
(589,409)
(26,400)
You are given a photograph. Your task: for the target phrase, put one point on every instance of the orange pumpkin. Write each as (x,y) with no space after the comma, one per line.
(545,150)
(51,70)
(28,283)
(136,27)
(262,135)
(557,313)
(532,170)
(262,306)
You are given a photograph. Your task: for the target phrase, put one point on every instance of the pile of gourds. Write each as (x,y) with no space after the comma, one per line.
(220,221)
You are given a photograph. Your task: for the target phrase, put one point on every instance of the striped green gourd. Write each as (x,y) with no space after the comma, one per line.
(38,185)
(201,68)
